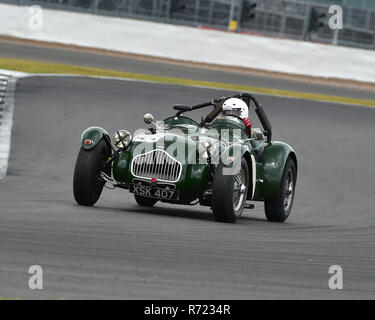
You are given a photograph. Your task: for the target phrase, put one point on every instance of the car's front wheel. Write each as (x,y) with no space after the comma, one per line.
(278,208)
(229,193)
(87,184)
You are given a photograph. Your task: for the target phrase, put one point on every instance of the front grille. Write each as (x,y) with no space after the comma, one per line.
(156,164)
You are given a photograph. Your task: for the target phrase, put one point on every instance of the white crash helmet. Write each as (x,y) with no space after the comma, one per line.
(235,107)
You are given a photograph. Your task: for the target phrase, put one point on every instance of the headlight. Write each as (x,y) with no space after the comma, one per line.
(206,148)
(122,139)
(212,149)
(202,149)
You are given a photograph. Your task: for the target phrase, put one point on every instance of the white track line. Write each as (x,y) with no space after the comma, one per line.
(8,81)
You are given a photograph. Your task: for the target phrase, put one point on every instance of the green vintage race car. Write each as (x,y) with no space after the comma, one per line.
(213,163)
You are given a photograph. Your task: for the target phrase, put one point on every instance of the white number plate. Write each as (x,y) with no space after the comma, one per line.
(151,192)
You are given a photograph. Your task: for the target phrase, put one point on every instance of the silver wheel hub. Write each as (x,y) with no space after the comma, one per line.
(288,190)
(239,190)
(242,188)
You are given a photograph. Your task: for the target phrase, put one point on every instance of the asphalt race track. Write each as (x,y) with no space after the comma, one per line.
(119,250)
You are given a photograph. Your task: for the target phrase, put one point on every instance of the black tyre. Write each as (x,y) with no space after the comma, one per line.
(144,201)
(87,185)
(229,193)
(278,208)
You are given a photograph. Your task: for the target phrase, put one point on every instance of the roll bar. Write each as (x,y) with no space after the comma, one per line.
(217,103)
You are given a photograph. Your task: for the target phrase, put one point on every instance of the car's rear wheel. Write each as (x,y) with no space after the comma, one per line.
(229,193)
(278,208)
(144,201)
(87,184)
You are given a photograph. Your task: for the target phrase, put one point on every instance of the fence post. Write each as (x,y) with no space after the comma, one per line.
(335,37)
(157,8)
(231,14)
(240,8)
(210,12)
(283,18)
(168,13)
(130,7)
(95,6)
(306,23)
(154,6)
(196,10)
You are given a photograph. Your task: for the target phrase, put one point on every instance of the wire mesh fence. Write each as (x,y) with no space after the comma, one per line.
(279,18)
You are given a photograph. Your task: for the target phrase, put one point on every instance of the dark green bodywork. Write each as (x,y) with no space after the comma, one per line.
(269,158)
(95,134)
(270,168)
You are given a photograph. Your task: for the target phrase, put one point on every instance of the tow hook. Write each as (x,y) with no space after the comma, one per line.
(249,206)
(108,179)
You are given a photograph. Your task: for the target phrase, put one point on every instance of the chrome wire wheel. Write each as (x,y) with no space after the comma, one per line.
(239,190)
(278,207)
(229,193)
(288,190)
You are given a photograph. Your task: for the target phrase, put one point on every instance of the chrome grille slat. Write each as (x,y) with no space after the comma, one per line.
(143,166)
(156,164)
(166,168)
(170,169)
(174,169)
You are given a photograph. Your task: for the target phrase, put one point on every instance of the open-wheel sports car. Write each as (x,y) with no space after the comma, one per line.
(214,163)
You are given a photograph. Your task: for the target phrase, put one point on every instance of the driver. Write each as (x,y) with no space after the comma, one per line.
(237,108)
